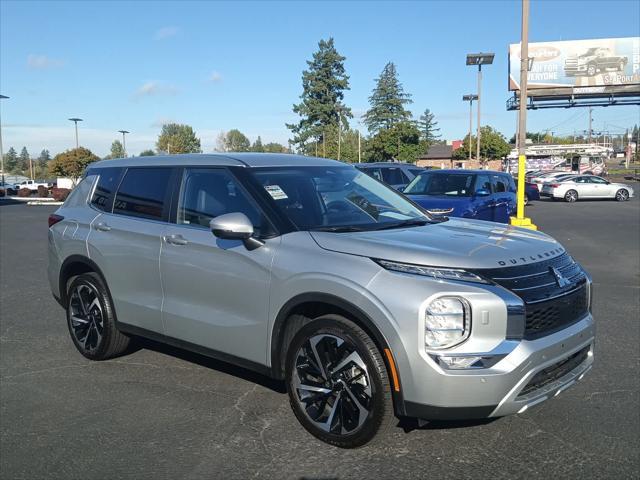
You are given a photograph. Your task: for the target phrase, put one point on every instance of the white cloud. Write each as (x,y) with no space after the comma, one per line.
(42,62)
(166,32)
(215,77)
(160,121)
(155,88)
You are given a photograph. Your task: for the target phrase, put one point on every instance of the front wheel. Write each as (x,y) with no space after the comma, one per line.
(591,70)
(571,196)
(337,381)
(622,195)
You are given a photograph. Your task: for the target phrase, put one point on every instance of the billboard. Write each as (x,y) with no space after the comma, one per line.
(579,66)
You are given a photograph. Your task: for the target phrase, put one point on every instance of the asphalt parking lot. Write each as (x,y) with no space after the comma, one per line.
(161,413)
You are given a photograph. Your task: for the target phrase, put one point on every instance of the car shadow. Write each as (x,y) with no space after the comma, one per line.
(411,424)
(208,362)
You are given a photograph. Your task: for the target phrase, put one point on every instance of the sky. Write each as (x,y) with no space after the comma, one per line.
(223,65)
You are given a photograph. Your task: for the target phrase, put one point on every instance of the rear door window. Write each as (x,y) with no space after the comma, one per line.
(144,193)
(483,182)
(499,183)
(394,176)
(108,181)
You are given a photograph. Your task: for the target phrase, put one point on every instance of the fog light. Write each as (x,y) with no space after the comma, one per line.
(461,362)
(447,322)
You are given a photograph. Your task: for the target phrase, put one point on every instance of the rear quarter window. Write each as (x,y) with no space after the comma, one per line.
(79,196)
(108,181)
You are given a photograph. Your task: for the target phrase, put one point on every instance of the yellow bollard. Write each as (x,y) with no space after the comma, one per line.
(520,220)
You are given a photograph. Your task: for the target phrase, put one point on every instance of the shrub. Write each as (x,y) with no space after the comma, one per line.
(24,192)
(60,194)
(43,191)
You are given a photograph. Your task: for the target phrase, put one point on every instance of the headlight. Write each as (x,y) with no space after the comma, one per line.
(434,272)
(447,322)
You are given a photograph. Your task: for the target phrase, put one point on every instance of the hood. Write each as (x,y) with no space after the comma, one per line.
(456,243)
(442,202)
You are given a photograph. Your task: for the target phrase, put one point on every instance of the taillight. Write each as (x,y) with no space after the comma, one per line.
(554,185)
(53,219)
(535,186)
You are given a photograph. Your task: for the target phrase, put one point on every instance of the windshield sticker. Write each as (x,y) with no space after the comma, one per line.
(276,192)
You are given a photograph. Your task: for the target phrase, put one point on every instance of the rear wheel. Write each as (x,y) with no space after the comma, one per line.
(526,199)
(622,195)
(571,196)
(337,382)
(91,319)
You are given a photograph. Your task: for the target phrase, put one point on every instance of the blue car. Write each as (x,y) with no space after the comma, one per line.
(478,194)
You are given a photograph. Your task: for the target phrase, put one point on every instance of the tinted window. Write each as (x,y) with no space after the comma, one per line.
(105,189)
(79,195)
(207,193)
(416,171)
(143,193)
(597,180)
(394,176)
(500,183)
(581,180)
(449,184)
(483,182)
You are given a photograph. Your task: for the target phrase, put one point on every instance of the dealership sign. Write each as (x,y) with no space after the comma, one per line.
(579,65)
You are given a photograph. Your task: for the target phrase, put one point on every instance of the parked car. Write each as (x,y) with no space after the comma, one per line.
(398,175)
(586,186)
(548,176)
(9,188)
(531,191)
(479,194)
(33,185)
(311,272)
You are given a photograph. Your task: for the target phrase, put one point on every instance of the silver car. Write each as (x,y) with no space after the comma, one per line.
(312,272)
(580,187)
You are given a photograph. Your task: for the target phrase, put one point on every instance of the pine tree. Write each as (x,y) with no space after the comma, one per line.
(117,150)
(387,101)
(257,145)
(429,127)
(11,160)
(43,159)
(321,106)
(23,160)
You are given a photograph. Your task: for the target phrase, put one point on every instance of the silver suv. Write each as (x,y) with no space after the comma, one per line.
(314,273)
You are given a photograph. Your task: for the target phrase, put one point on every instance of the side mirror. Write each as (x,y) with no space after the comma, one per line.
(482,192)
(235,226)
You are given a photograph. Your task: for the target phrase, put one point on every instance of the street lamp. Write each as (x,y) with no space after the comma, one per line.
(479,59)
(470,98)
(76,120)
(2,97)
(124,145)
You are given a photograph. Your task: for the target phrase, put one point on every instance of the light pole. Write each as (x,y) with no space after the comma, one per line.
(124,145)
(479,59)
(75,121)
(2,97)
(470,98)
(520,220)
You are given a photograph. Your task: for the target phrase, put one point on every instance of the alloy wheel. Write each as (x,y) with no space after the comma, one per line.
(332,384)
(622,195)
(86,316)
(571,196)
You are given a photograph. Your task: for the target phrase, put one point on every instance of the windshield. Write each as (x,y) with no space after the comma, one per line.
(446,184)
(336,199)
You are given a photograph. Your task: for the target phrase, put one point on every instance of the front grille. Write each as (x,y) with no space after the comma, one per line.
(549,307)
(555,372)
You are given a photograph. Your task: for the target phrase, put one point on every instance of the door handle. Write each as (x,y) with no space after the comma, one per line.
(103,227)
(175,239)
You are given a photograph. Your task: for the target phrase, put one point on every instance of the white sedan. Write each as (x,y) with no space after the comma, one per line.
(586,186)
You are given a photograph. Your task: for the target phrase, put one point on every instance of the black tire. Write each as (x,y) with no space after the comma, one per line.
(89,303)
(571,196)
(341,387)
(592,70)
(526,199)
(622,195)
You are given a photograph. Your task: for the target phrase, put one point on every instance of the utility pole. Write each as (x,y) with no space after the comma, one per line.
(590,120)
(628,150)
(359,155)
(75,121)
(324,150)
(2,97)
(520,219)
(338,139)
(124,145)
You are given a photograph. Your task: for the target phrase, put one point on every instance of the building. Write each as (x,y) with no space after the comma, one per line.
(441,156)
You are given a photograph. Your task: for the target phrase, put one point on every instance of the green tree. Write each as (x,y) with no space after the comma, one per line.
(147,153)
(72,163)
(387,101)
(177,138)
(44,159)
(321,106)
(493,146)
(236,141)
(399,142)
(11,160)
(257,145)
(117,150)
(273,147)
(428,127)
(23,160)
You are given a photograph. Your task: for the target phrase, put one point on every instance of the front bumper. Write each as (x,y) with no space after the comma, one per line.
(497,391)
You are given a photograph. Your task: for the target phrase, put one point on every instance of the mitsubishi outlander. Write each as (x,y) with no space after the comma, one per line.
(312,272)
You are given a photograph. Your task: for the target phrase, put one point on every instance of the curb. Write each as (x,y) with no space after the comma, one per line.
(41,202)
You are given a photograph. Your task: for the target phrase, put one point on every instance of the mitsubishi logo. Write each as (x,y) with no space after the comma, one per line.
(560,279)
